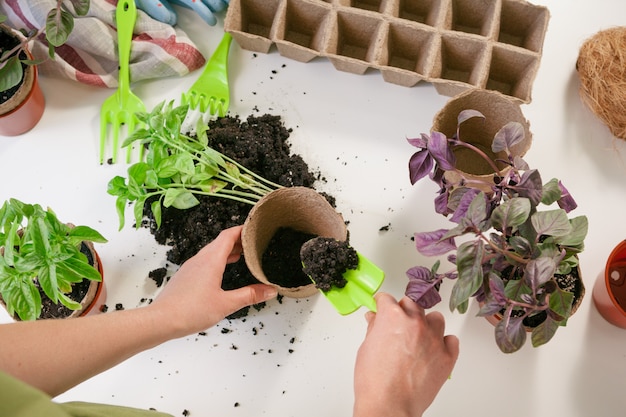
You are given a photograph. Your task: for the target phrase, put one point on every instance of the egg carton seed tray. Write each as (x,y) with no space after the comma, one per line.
(453,44)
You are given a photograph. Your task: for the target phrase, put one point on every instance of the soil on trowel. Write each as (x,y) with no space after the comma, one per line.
(261,144)
(325,260)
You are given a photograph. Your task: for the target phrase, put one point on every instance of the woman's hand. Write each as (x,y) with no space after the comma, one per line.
(193,299)
(404,360)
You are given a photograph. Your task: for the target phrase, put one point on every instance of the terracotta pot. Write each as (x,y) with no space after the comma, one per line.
(24,109)
(299,208)
(609,290)
(498,110)
(95,298)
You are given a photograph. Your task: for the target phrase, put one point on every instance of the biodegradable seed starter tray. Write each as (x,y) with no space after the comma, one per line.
(453,44)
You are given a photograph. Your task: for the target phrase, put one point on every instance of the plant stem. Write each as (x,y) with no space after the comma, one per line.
(479,152)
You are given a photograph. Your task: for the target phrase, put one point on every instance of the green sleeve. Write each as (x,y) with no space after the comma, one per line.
(20,400)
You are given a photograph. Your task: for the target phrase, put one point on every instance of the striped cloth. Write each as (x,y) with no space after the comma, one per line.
(90,54)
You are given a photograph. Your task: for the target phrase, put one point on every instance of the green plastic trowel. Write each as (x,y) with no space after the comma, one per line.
(362,284)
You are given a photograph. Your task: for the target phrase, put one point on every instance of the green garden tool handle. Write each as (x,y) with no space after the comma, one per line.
(125,17)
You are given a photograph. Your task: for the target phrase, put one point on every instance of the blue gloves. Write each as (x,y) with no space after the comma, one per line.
(162,10)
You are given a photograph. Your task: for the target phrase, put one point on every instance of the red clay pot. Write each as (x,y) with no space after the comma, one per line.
(609,290)
(24,110)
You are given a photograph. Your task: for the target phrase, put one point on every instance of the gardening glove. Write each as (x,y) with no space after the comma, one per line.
(162,10)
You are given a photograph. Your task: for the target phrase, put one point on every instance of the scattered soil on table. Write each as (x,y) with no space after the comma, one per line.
(326,260)
(260,143)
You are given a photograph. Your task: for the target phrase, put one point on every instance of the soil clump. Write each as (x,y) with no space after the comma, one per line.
(325,260)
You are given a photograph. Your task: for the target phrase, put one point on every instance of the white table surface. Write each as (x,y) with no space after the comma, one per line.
(352,128)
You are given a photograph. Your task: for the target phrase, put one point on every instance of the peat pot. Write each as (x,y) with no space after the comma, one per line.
(498,110)
(299,208)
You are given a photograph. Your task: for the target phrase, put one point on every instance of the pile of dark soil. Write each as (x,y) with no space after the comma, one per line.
(325,260)
(260,143)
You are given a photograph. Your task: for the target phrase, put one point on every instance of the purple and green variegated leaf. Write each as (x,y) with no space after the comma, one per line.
(576,238)
(477,211)
(460,201)
(510,334)
(521,246)
(544,332)
(441,152)
(490,307)
(423,287)
(510,135)
(433,243)
(420,165)
(539,271)
(441,203)
(566,202)
(470,270)
(496,286)
(520,164)
(510,214)
(560,302)
(551,192)
(515,288)
(530,186)
(420,142)
(551,222)
(468,114)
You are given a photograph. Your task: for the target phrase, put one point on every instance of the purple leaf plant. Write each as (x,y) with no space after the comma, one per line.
(514,259)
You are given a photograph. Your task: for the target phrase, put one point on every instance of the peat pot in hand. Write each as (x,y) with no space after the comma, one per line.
(298,209)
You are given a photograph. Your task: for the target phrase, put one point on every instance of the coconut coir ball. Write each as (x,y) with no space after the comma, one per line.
(601,67)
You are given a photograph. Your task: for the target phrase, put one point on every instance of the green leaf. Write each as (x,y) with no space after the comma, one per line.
(155,207)
(77,269)
(68,302)
(59,25)
(86,233)
(511,214)
(576,238)
(47,277)
(179,198)
(561,302)
(544,332)
(551,222)
(81,7)
(24,299)
(120,208)
(11,73)
(138,211)
(469,266)
(551,192)
(212,186)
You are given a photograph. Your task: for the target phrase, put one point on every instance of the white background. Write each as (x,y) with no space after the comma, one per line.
(353,129)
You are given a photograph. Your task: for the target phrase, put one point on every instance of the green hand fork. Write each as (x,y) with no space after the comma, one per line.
(211,91)
(121,107)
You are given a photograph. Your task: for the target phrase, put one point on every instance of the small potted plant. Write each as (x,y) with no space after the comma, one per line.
(21,99)
(519,262)
(45,262)
(178,167)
